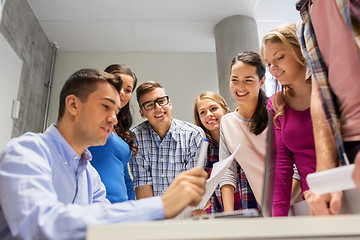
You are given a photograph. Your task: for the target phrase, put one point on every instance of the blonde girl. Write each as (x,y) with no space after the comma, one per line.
(209,108)
(291,110)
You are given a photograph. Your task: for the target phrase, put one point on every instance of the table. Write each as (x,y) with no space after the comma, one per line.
(304,227)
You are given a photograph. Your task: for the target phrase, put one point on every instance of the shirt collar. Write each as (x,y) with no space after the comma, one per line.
(64,147)
(174,131)
(171,131)
(301,5)
(241,117)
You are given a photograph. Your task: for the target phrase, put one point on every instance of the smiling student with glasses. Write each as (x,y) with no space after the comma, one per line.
(150,105)
(166,146)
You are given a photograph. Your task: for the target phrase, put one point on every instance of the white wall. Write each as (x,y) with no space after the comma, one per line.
(183,75)
(2,2)
(10,70)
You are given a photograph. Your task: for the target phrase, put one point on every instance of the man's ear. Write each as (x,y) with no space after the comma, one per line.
(170,104)
(142,113)
(71,104)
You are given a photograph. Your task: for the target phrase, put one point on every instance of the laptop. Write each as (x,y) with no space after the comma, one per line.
(245,213)
(269,173)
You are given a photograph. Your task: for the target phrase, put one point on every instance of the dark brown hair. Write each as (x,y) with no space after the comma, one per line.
(82,83)
(124,117)
(260,117)
(145,88)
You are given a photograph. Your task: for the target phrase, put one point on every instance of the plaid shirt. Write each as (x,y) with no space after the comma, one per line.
(159,161)
(215,200)
(243,195)
(350,11)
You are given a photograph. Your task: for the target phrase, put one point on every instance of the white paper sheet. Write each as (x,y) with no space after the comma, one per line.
(332,180)
(217,173)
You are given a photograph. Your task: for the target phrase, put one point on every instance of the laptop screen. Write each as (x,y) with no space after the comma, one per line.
(270,158)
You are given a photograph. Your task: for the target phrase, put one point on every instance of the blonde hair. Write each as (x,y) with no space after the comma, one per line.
(286,35)
(216,98)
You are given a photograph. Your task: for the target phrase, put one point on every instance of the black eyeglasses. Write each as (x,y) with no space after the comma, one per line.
(150,105)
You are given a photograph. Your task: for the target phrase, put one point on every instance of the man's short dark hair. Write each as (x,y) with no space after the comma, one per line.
(146,87)
(84,82)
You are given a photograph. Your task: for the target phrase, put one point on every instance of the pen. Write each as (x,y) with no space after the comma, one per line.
(203,151)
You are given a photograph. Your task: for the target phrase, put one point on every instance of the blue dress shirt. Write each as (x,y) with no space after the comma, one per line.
(47,191)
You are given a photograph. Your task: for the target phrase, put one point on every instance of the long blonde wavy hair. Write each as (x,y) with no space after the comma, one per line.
(285,34)
(216,98)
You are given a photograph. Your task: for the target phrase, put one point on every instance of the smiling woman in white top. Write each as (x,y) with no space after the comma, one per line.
(245,126)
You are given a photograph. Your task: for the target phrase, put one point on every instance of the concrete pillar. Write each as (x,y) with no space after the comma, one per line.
(233,35)
(22,30)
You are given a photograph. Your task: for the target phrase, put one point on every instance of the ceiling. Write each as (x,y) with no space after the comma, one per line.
(180,26)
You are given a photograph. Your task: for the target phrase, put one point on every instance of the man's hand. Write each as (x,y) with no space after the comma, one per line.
(356,172)
(325,204)
(187,189)
(326,157)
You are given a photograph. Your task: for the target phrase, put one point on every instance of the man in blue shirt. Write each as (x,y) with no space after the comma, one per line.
(166,146)
(48,188)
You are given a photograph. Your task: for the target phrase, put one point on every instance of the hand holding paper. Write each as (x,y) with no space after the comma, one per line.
(217,173)
(332,180)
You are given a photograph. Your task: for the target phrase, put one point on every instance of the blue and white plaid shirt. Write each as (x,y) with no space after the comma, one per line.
(159,161)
